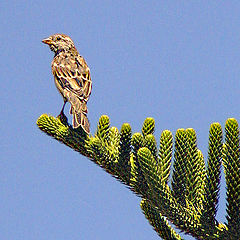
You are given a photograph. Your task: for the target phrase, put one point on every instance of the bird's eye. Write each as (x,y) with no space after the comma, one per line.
(58,38)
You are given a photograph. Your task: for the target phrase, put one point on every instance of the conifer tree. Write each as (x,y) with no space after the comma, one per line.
(187,197)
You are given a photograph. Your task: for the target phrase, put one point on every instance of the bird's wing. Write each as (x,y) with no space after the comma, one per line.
(74,75)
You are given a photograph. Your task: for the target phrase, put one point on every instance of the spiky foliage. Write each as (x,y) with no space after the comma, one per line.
(231,159)
(158,221)
(137,180)
(192,168)
(124,165)
(165,155)
(148,126)
(212,184)
(190,203)
(160,195)
(201,180)
(179,167)
(64,133)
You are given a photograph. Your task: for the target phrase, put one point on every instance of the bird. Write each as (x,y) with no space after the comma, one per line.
(72,78)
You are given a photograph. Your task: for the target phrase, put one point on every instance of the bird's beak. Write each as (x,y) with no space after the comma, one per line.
(47,41)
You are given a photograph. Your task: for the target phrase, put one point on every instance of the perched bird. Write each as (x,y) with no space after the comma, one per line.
(72,78)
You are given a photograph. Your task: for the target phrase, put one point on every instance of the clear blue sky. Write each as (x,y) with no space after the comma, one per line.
(177,61)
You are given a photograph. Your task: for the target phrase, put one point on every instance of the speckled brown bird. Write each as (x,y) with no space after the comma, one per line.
(72,78)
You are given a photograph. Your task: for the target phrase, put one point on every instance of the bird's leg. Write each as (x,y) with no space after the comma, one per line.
(62,116)
(62,111)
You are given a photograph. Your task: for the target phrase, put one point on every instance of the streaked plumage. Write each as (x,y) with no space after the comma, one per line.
(72,77)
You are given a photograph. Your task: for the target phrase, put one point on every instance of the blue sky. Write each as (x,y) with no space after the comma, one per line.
(176,61)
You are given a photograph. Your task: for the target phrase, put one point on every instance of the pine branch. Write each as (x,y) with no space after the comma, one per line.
(104,147)
(231,159)
(159,222)
(165,154)
(75,139)
(138,181)
(103,128)
(212,187)
(148,126)
(192,168)
(179,167)
(201,181)
(151,144)
(160,195)
(191,205)
(124,165)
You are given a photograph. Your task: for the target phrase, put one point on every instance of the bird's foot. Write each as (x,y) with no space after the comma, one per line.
(62,117)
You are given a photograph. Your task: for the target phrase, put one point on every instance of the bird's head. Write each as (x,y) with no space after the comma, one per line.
(59,42)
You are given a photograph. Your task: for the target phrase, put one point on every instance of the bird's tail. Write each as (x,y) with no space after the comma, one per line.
(80,119)
(79,112)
